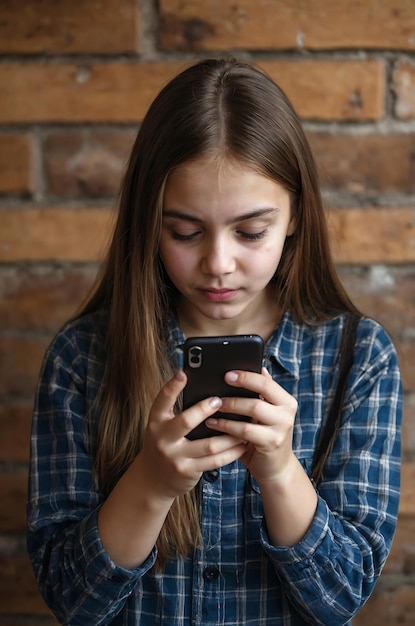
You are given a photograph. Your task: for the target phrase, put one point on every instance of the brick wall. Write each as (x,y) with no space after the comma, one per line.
(76,78)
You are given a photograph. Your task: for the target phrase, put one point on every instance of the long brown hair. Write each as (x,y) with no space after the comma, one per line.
(214,107)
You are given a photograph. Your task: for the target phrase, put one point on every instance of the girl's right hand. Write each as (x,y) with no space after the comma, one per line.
(173,464)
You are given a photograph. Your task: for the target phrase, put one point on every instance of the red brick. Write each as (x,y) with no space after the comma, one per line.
(383,292)
(403,549)
(20,361)
(332,90)
(86,164)
(407,503)
(15,423)
(42,298)
(122,91)
(83,91)
(16,164)
(81,27)
(388,606)
(404,88)
(19,594)
(408,426)
(365,163)
(406,355)
(37,234)
(13,490)
(310,25)
(373,235)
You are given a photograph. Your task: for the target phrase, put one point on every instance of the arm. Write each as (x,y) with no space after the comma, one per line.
(75,574)
(90,553)
(332,571)
(329,548)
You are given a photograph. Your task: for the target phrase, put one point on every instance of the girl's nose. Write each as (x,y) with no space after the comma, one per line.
(218,258)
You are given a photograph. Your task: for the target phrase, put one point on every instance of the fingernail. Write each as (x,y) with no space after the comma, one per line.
(179,375)
(215,402)
(232,377)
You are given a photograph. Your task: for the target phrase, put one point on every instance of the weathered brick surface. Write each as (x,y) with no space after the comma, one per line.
(41,298)
(365,163)
(83,91)
(408,428)
(384,292)
(91,91)
(77,80)
(20,361)
(19,594)
(407,503)
(403,87)
(332,90)
(13,490)
(50,27)
(86,164)
(15,422)
(403,548)
(373,235)
(16,164)
(406,355)
(262,25)
(46,234)
(388,606)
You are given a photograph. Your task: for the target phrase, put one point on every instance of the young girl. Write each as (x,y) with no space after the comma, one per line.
(220,231)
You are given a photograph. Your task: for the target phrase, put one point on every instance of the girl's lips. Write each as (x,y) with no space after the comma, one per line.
(219,295)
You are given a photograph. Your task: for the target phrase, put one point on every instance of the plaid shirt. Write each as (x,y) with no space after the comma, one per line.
(237,577)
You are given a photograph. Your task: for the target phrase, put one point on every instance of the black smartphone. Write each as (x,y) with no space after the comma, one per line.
(206,360)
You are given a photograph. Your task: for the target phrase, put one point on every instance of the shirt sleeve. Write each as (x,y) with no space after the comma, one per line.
(76,577)
(330,574)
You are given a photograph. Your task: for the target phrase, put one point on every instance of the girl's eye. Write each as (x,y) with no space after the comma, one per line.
(252,236)
(184,237)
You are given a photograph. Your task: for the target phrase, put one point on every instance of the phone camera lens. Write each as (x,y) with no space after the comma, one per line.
(195,356)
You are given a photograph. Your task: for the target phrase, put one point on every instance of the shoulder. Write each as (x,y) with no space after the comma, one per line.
(374,361)
(78,345)
(80,332)
(317,345)
(370,336)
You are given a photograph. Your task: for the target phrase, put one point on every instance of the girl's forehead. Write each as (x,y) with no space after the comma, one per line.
(215,167)
(208,189)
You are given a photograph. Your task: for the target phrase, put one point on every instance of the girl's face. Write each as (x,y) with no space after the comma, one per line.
(224,227)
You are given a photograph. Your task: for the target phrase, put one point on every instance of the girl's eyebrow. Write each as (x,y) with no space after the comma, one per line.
(263,212)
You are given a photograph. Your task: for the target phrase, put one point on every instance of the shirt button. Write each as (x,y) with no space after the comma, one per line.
(210,574)
(211,475)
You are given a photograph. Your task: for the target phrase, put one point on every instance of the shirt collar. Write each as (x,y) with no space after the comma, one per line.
(284,345)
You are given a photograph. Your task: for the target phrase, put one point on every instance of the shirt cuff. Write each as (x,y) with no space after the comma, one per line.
(283,556)
(99,569)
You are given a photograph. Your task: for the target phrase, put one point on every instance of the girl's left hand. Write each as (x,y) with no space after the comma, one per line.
(268,436)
